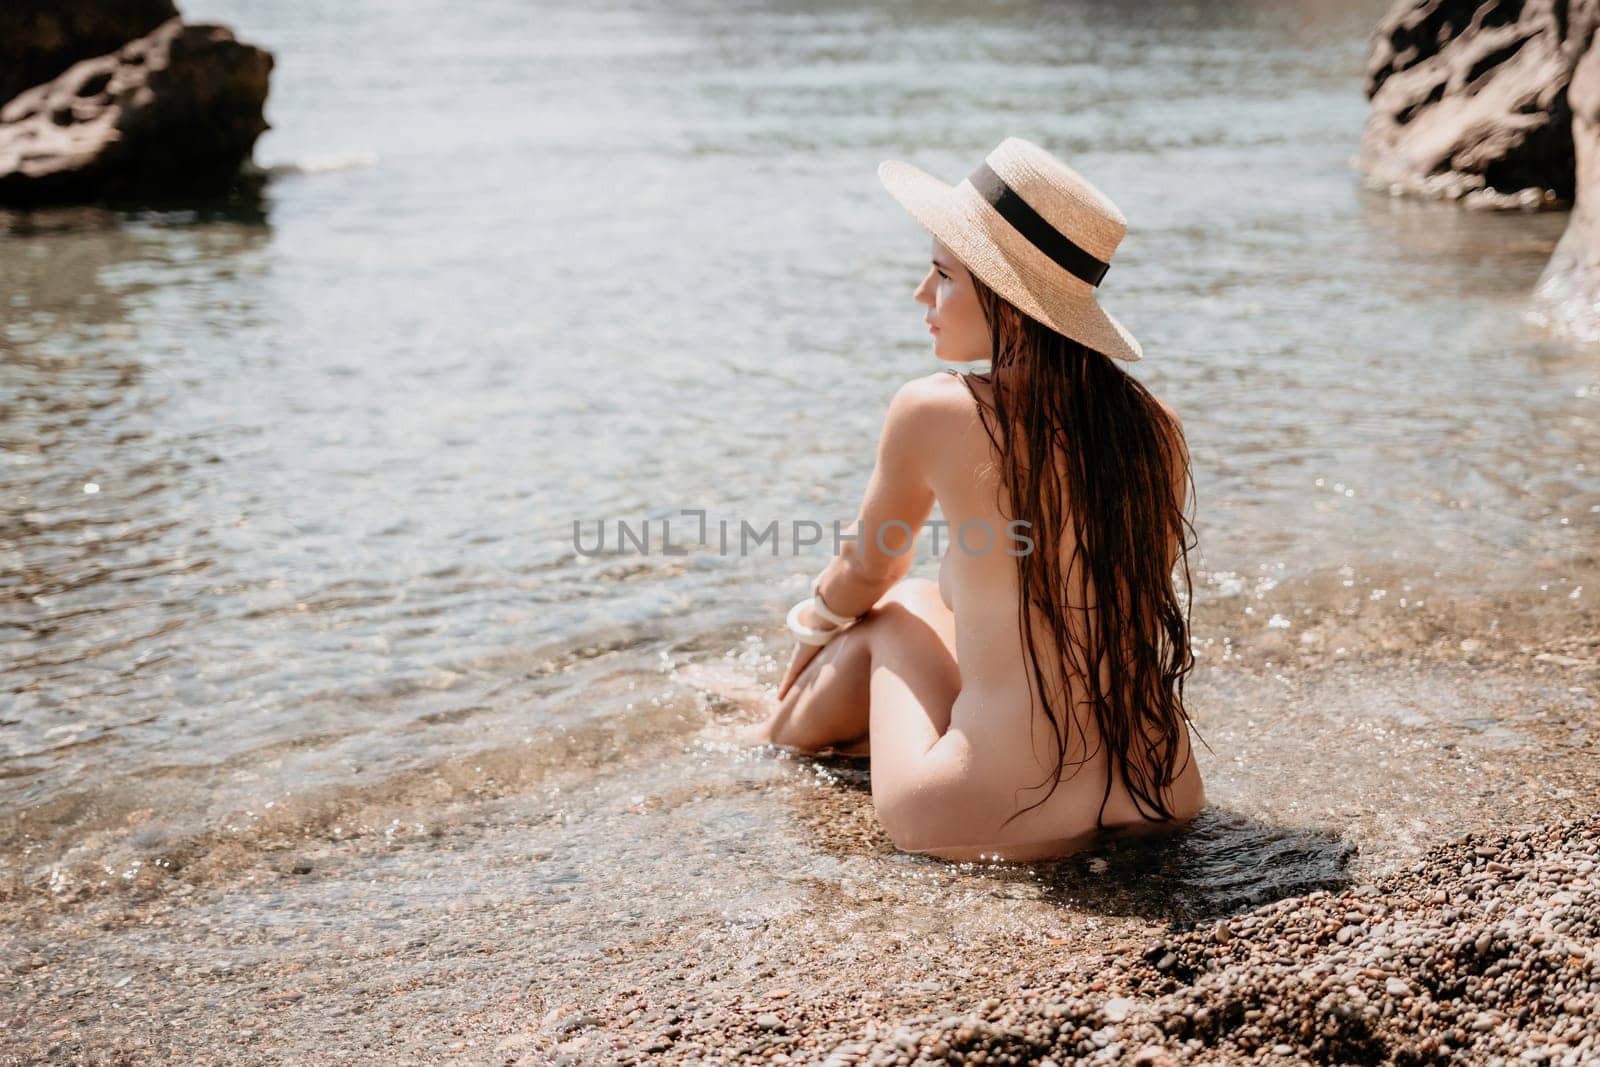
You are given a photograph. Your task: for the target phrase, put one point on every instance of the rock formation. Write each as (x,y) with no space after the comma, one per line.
(1497,103)
(41,38)
(173,113)
(1469,99)
(1567,296)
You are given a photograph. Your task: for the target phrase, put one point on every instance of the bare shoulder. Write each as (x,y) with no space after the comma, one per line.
(1177,423)
(931,388)
(941,398)
(925,414)
(930,401)
(1166,407)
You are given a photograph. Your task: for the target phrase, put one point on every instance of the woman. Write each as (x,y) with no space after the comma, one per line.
(988,733)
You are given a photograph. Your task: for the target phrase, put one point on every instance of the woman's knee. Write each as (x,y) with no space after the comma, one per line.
(912,615)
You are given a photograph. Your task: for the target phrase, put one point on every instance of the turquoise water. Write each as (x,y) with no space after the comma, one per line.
(290,484)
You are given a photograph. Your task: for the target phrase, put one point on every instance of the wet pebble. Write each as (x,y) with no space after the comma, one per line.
(1487,950)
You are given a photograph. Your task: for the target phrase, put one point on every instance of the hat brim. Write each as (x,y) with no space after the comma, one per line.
(1010,266)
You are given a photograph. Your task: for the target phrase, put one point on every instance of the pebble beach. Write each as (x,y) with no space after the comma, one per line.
(324,741)
(770,921)
(1486,951)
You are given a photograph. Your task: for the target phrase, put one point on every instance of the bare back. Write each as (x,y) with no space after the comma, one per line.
(997,736)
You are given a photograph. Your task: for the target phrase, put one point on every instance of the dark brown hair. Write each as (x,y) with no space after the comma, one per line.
(1080,440)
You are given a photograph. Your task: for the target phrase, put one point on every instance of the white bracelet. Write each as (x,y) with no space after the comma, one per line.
(805,634)
(822,609)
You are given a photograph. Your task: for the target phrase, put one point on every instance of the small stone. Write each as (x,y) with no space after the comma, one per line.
(1117,1009)
(576,1021)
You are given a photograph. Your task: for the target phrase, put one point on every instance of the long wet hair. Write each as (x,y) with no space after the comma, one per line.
(1080,440)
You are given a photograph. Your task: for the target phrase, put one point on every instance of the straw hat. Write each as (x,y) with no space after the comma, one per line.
(1035,230)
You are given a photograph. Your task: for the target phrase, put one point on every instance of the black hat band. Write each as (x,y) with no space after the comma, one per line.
(1031,225)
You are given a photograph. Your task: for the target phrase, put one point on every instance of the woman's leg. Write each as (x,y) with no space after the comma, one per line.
(906,644)
(826,708)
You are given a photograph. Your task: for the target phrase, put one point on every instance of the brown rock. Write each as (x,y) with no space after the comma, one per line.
(1469,99)
(1568,291)
(174,113)
(1153,1056)
(41,38)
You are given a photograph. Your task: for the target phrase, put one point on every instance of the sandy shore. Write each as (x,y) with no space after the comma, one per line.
(677,900)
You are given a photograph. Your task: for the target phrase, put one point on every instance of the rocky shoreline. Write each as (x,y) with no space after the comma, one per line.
(644,894)
(1486,951)
(694,903)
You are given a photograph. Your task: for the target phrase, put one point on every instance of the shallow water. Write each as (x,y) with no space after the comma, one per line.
(290,485)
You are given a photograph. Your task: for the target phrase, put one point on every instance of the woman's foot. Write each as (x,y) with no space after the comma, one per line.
(759,702)
(733,687)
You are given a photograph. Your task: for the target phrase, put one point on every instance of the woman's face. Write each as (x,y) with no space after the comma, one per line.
(959,331)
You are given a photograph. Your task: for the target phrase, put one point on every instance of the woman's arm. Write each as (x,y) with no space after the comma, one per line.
(897,502)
